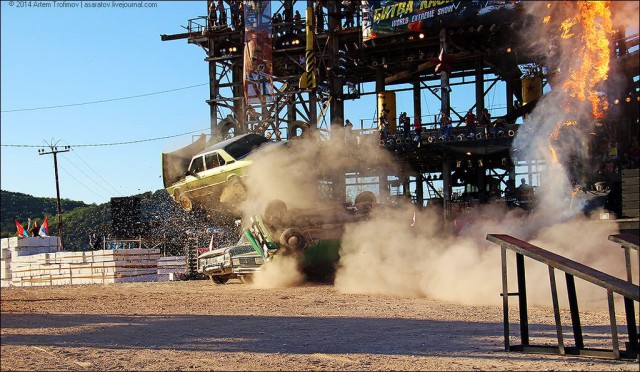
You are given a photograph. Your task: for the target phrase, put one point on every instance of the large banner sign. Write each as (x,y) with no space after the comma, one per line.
(258,67)
(382,18)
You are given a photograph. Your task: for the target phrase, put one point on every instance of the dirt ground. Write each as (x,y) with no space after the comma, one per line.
(201,326)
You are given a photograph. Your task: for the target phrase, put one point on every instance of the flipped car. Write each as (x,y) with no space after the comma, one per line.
(196,175)
(313,235)
(233,262)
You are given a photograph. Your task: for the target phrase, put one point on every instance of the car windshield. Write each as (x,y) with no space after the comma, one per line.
(241,148)
(240,250)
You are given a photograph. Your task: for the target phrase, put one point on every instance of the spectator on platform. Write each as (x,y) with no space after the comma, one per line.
(319,17)
(348,131)
(406,123)
(235,14)
(287,15)
(240,13)
(276,20)
(613,150)
(212,15)
(524,188)
(485,120)
(35,230)
(384,126)
(349,13)
(497,126)
(222,13)
(417,129)
(445,126)
(470,121)
(510,190)
(297,23)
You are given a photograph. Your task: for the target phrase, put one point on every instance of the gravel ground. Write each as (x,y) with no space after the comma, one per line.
(201,326)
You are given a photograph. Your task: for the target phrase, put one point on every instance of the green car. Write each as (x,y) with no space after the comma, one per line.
(196,176)
(315,232)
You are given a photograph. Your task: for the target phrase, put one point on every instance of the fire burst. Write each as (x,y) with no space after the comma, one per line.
(593,25)
(594,20)
(554,137)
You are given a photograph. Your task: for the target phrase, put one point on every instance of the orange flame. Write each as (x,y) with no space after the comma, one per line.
(575,191)
(554,154)
(554,137)
(593,27)
(566,26)
(595,22)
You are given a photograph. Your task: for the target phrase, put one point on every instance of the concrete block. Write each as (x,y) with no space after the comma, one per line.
(11,242)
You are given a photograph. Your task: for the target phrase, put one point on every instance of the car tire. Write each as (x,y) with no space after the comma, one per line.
(293,239)
(186,203)
(364,201)
(246,279)
(237,188)
(219,279)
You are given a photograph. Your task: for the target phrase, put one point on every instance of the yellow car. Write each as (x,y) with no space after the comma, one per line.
(212,173)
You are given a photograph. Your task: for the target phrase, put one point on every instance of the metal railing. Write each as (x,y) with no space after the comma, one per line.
(572,269)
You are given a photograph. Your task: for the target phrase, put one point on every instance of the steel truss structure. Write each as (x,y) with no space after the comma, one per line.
(481,54)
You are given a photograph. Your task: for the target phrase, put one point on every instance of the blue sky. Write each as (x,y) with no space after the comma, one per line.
(59,56)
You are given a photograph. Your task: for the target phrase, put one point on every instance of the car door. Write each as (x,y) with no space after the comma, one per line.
(194,175)
(212,179)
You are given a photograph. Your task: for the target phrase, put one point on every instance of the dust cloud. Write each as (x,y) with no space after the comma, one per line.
(301,174)
(387,255)
(404,251)
(281,272)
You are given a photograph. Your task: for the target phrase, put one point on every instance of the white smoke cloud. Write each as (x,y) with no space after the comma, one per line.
(386,255)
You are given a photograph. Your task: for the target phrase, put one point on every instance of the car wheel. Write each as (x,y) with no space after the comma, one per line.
(246,279)
(238,190)
(293,239)
(186,203)
(275,212)
(220,279)
(365,201)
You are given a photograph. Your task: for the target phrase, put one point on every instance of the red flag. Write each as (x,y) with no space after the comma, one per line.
(44,228)
(21,232)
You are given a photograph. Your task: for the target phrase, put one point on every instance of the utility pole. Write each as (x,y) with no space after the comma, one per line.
(54,150)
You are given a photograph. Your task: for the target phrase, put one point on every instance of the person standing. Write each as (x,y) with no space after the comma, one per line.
(485,120)
(235,17)
(222,13)
(212,15)
(348,131)
(445,126)
(35,230)
(470,122)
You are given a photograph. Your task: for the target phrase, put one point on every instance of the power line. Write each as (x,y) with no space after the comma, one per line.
(96,173)
(82,184)
(117,143)
(89,177)
(102,101)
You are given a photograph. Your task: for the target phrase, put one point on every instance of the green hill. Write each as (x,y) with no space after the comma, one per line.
(19,206)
